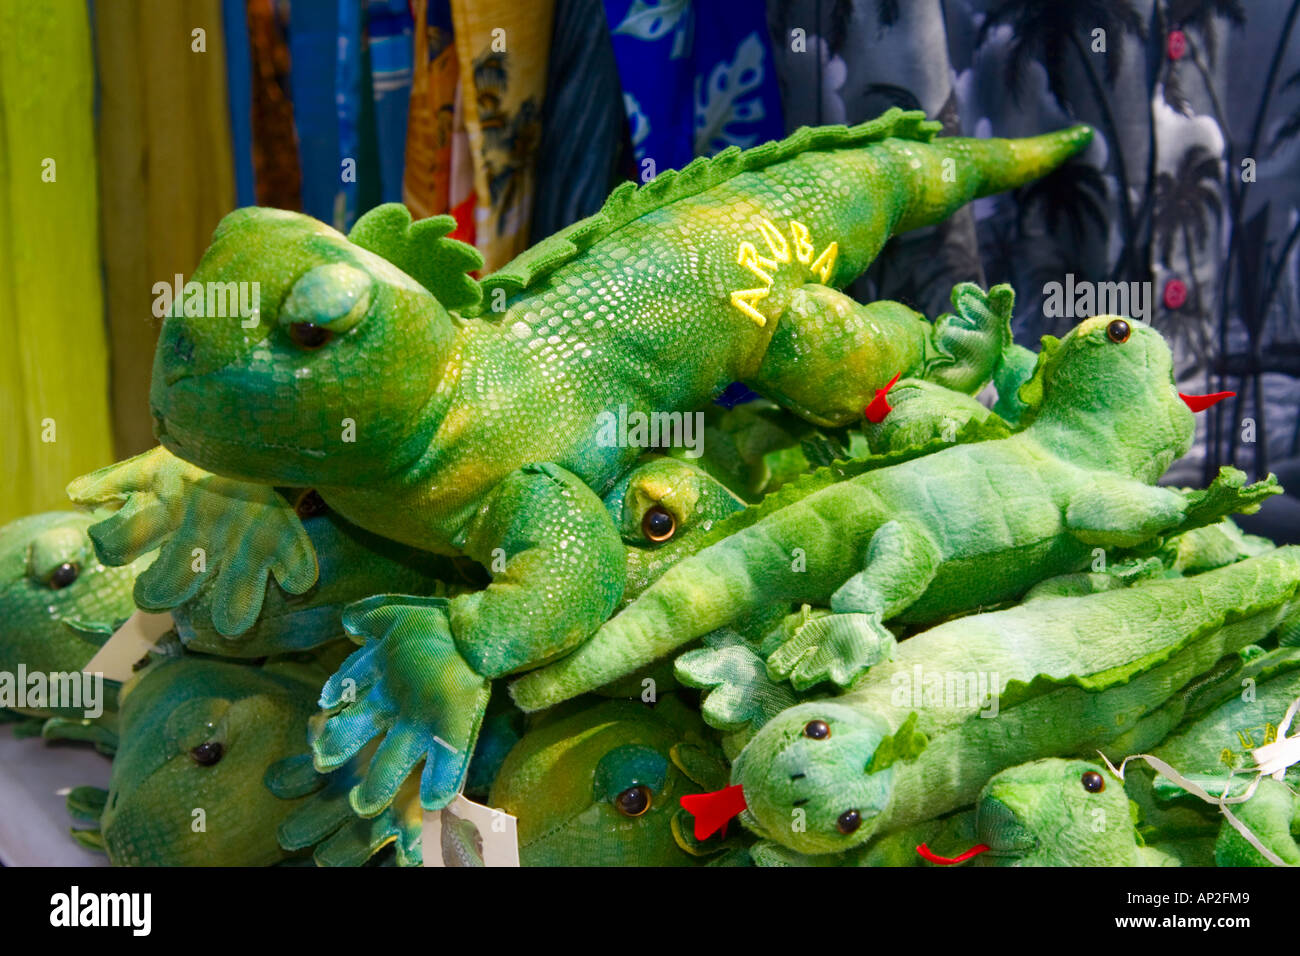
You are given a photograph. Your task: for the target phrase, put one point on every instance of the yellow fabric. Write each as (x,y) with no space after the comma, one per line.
(166,174)
(53,366)
(503,91)
(427,177)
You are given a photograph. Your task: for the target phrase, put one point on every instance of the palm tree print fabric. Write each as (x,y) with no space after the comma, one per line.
(1185,211)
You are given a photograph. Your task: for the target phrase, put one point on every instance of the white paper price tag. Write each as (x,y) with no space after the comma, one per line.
(495,833)
(130,642)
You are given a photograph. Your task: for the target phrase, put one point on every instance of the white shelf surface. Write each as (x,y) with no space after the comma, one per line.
(35,776)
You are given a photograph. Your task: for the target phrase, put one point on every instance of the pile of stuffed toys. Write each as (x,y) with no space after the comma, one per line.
(427,538)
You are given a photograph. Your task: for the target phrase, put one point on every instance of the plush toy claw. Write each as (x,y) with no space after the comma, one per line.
(928,854)
(712,811)
(1199,403)
(409,686)
(880,406)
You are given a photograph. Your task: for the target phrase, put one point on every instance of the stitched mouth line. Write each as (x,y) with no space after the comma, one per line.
(559,827)
(1009,851)
(240,443)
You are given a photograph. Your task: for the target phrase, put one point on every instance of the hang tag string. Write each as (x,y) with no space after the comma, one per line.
(1271,760)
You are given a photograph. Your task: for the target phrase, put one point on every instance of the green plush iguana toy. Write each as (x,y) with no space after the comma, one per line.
(58,605)
(968,526)
(1214,749)
(1057,812)
(919,735)
(598,784)
(469,418)
(197,737)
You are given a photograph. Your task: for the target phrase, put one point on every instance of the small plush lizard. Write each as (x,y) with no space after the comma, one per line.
(1057,812)
(1078,813)
(918,735)
(469,418)
(968,526)
(598,784)
(197,737)
(58,604)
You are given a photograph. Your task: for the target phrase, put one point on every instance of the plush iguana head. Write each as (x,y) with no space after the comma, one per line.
(1106,393)
(1056,813)
(342,356)
(816,776)
(600,786)
(198,734)
(354,564)
(661,507)
(58,604)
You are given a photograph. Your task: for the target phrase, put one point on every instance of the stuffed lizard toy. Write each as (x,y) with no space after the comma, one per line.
(58,605)
(970,525)
(1057,812)
(598,784)
(467,418)
(197,737)
(918,735)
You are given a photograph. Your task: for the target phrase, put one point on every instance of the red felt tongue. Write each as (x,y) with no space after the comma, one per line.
(933,857)
(713,810)
(1199,403)
(880,406)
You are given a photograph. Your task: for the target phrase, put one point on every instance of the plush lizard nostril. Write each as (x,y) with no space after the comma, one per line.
(178,350)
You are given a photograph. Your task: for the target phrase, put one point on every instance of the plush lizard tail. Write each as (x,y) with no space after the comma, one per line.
(949,172)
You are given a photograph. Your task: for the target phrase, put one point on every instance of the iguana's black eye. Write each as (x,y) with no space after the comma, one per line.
(658,524)
(1118,331)
(1093,782)
(848,821)
(206,754)
(310,504)
(307,335)
(817,729)
(63,575)
(633,801)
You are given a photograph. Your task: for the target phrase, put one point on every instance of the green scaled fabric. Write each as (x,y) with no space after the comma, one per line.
(198,735)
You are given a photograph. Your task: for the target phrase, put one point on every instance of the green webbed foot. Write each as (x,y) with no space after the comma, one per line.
(834,647)
(205,525)
(738,692)
(86,805)
(327,823)
(411,687)
(1228,494)
(102,736)
(969,341)
(24,727)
